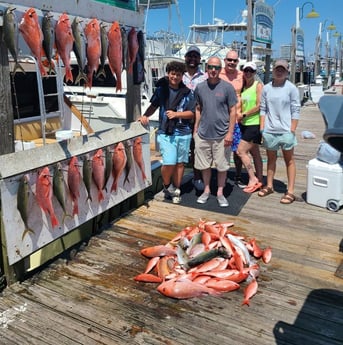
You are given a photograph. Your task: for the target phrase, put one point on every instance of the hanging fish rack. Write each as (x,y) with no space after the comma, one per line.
(14,166)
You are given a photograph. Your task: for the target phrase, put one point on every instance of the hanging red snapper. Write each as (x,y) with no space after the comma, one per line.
(98,172)
(137,152)
(133,47)
(93,49)
(64,43)
(115,53)
(44,195)
(119,162)
(32,33)
(74,179)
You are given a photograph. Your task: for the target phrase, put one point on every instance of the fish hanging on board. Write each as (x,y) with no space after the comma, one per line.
(33,36)
(138,66)
(11,36)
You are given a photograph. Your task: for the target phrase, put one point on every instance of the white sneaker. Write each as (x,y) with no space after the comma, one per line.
(203,198)
(222,201)
(169,192)
(198,185)
(176,199)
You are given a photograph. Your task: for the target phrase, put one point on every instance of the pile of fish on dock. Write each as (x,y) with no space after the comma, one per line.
(205,259)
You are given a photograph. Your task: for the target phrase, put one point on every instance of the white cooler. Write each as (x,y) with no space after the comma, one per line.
(325,184)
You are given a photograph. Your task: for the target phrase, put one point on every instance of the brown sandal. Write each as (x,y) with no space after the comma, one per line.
(265,191)
(288,198)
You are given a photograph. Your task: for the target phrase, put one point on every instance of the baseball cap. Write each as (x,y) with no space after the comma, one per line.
(281,63)
(251,65)
(193,49)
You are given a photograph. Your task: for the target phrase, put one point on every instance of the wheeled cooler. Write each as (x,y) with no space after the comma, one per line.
(325,184)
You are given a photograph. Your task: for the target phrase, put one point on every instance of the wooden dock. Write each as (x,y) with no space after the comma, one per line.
(93,299)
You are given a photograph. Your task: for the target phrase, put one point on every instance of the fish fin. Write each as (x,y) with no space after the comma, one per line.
(54,221)
(81,76)
(26,231)
(101,72)
(18,66)
(100,196)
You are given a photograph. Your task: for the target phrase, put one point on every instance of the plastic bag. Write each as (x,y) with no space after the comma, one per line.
(326,153)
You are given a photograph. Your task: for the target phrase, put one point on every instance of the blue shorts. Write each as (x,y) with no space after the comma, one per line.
(174,148)
(284,141)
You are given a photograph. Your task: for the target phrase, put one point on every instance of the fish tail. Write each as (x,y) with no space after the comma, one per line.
(81,76)
(100,196)
(101,72)
(18,66)
(75,208)
(54,221)
(118,85)
(26,231)
(114,186)
(42,69)
(130,69)
(69,75)
(51,67)
(89,197)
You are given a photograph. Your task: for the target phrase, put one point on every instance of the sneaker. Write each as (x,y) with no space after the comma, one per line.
(222,201)
(168,192)
(239,182)
(198,185)
(176,199)
(203,198)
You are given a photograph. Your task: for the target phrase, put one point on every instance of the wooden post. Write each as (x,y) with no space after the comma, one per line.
(6,110)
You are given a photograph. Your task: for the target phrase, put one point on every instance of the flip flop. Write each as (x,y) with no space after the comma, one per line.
(287,198)
(253,188)
(265,191)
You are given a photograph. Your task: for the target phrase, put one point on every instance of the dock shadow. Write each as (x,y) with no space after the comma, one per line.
(318,322)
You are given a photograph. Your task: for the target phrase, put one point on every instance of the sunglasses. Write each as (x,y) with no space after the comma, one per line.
(217,68)
(193,56)
(231,60)
(247,70)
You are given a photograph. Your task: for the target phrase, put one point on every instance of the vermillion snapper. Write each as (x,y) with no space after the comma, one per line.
(137,151)
(119,162)
(98,172)
(133,47)
(74,179)
(48,29)
(64,43)
(44,195)
(11,35)
(32,33)
(93,50)
(115,53)
(79,48)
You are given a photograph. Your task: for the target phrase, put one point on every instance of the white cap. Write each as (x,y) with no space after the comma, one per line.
(251,65)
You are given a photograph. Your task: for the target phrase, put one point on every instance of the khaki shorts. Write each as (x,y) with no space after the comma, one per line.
(210,153)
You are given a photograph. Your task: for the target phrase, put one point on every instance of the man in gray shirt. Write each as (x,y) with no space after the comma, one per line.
(213,129)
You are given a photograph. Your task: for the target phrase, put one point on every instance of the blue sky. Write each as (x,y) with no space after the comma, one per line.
(230,11)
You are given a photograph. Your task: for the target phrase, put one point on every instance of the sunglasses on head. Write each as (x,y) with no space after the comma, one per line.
(248,70)
(231,60)
(217,68)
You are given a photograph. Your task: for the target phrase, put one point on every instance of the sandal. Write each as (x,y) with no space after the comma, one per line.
(288,198)
(253,188)
(265,191)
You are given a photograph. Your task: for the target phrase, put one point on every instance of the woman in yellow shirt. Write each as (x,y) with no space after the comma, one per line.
(250,127)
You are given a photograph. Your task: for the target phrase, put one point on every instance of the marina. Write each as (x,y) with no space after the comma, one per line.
(81,198)
(90,297)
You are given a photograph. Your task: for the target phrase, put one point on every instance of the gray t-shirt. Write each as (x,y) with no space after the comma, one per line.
(279,105)
(215,101)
